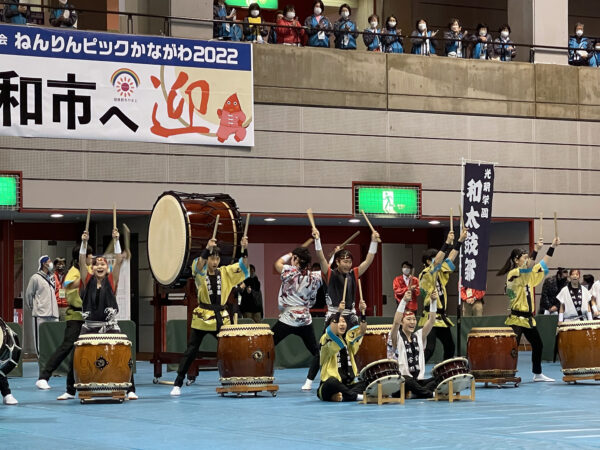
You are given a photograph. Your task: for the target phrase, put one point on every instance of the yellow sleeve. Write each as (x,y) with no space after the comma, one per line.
(72,293)
(331,344)
(427,283)
(235,273)
(538,272)
(354,339)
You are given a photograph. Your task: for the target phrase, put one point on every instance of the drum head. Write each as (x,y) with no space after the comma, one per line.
(167,239)
(459,383)
(390,384)
(376,363)
(465,361)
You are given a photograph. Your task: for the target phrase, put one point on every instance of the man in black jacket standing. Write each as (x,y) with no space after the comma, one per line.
(549,304)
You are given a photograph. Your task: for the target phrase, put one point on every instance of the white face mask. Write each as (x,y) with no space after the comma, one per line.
(579,33)
(482,32)
(318,11)
(392,24)
(254,13)
(422,27)
(406,271)
(374,25)
(345,14)
(455,28)
(597,48)
(62,2)
(290,15)
(50,267)
(504,34)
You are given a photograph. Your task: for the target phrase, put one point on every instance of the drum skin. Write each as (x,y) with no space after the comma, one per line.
(451,367)
(373,346)
(245,352)
(579,346)
(492,352)
(379,369)
(102,359)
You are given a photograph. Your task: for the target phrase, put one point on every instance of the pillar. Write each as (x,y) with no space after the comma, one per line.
(199,9)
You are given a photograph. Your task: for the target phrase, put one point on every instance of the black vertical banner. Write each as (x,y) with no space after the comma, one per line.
(478,192)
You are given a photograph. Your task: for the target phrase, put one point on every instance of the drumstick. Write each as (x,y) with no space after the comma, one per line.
(311,218)
(166,382)
(307,242)
(541,226)
(214,236)
(235,318)
(345,286)
(114,216)
(126,238)
(360,290)
(350,239)
(555,225)
(246,226)
(462,220)
(451,221)
(87,220)
(368,221)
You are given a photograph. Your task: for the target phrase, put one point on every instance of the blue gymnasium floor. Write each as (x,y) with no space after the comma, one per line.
(535,415)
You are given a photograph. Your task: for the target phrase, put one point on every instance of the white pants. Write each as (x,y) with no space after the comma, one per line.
(37,321)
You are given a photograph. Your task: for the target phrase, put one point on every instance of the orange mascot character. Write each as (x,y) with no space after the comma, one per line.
(232,120)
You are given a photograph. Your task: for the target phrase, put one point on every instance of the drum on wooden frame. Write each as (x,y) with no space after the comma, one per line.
(579,347)
(385,372)
(492,352)
(455,370)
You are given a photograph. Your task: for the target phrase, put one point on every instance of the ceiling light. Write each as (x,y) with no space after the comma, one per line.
(270,219)
(56,216)
(354,220)
(434,222)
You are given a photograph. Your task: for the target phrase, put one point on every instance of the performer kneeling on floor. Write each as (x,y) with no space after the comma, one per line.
(338,369)
(576,301)
(214,284)
(406,345)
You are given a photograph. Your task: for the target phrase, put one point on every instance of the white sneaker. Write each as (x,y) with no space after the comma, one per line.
(307,386)
(542,377)
(133,396)
(65,396)
(176,391)
(359,397)
(10,400)
(42,384)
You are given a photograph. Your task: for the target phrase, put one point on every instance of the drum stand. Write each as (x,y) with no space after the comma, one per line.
(160,356)
(575,378)
(102,397)
(499,381)
(248,389)
(380,399)
(451,396)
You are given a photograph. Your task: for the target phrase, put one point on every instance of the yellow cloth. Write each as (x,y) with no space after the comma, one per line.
(519,289)
(331,344)
(71,285)
(231,276)
(255,30)
(427,282)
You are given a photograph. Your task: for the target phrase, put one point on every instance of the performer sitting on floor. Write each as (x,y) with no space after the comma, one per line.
(434,277)
(99,301)
(214,284)
(406,346)
(334,278)
(520,281)
(575,300)
(338,369)
(297,295)
(74,321)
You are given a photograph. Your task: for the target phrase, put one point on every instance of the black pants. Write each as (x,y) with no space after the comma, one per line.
(4,389)
(307,334)
(420,388)
(189,356)
(72,330)
(533,336)
(332,386)
(444,334)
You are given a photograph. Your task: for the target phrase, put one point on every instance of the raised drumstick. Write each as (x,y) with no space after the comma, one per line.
(368,221)
(541,226)
(235,319)
(311,218)
(555,225)
(462,220)
(126,238)
(360,290)
(345,287)
(307,242)
(350,239)
(87,220)
(114,216)
(246,226)
(451,221)
(214,236)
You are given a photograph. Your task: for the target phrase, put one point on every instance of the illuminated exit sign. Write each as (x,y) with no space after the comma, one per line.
(10,189)
(264,4)
(391,200)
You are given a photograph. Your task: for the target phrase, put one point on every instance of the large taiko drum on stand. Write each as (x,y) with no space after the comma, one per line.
(181,225)
(246,355)
(492,352)
(579,348)
(455,370)
(10,351)
(102,364)
(373,346)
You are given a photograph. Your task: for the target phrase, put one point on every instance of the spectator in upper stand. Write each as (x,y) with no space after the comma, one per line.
(549,304)
(482,43)
(455,38)
(421,45)
(253,32)
(504,49)
(287,35)
(371,35)
(272,39)
(392,41)
(580,48)
(65,16)
(318,26)
(595,54)
(16,13)
(222,30)
(345,30)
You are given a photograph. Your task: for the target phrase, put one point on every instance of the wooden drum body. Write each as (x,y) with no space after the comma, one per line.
(10,351)
(385,372)
(102,362)
(181,225)
(579,347)
(246,355)
(373,346)
(492,352)
(455,370)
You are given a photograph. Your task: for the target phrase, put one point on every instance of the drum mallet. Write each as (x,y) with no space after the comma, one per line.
(462,220)
(311,218)
(214,236)
(541,226)
(368,221)
(307,242)
(114,216)
(350,239)
(87,221)
(555,225)
(246,225)
(451,221)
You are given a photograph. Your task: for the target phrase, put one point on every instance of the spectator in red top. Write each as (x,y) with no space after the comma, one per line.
(59,292)
(286,35)
(405,283)
(472,301)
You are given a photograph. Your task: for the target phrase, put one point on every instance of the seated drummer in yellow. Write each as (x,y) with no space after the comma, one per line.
(338,368)
(214,285)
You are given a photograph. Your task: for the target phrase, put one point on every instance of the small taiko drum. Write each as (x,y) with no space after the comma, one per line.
(102,362)
(373,346)
(385,372)
(10,351)
(246,355)
(579,347)
(455,370)
(492,352)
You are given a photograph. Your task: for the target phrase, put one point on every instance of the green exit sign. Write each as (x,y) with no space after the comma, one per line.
(264,4)
(9,191)
(388,200)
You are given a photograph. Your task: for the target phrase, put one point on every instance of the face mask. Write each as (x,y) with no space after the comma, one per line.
(504,34)
(597,48)
(422,27)
(62,2)
(254,13)
(392,24)
(318,11)
(290,15)
(482,32)
(406,271)
(50,267)
(374,25)
(455,28)
(579,33)
(345,14)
